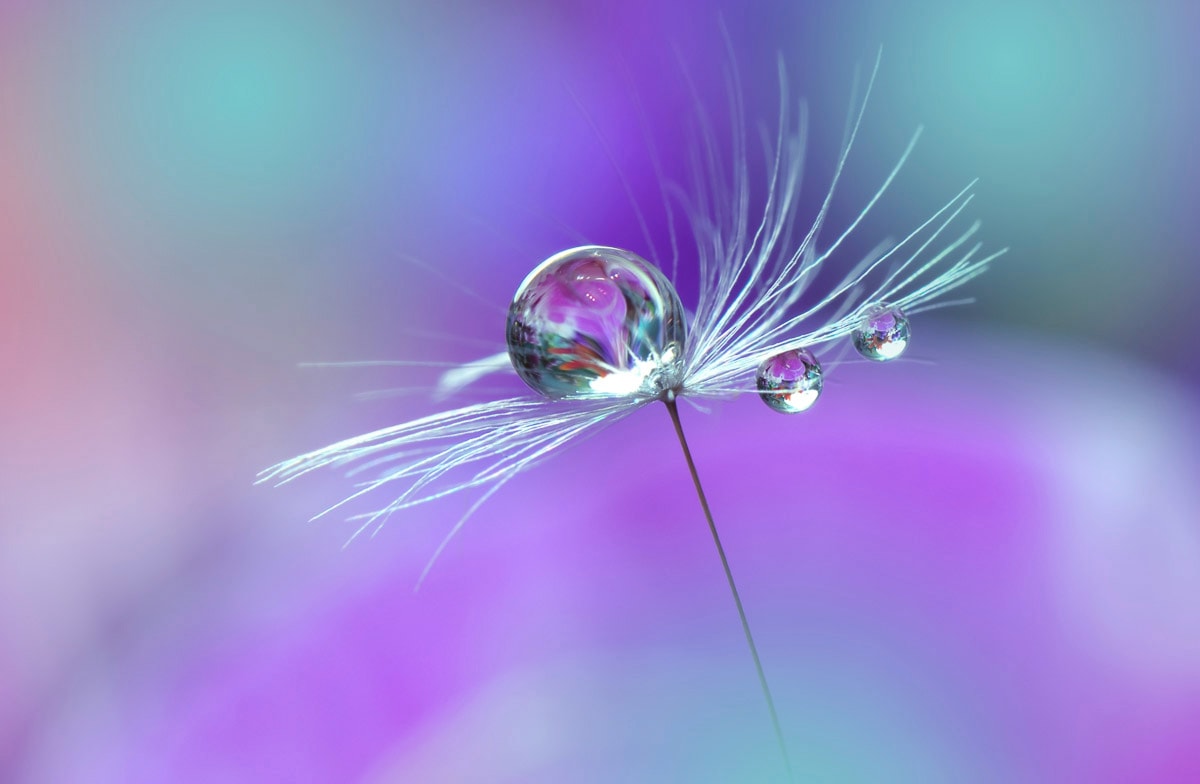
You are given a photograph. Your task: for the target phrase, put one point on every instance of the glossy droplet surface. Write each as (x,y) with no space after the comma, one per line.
(790,382)
(883,334)
(597,321)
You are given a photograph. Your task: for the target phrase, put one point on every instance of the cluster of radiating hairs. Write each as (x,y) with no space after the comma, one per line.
(753,274)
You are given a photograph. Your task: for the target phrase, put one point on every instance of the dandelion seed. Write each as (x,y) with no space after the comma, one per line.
(599,333)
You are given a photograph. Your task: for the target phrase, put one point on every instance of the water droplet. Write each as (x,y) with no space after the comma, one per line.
(884,333)
(790,382)
(597,321)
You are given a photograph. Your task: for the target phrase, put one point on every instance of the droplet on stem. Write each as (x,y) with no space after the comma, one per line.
(791,381)
(597,321)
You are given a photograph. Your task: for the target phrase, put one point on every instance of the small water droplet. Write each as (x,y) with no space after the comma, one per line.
(791,381)
(884,333)
(597,321)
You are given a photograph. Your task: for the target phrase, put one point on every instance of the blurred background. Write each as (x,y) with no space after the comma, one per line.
(981,569)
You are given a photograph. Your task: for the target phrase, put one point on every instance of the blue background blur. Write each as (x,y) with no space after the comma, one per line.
(980,570)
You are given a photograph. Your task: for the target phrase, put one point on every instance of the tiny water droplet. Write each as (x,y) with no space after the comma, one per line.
(597,321)
(791,381)
(883,334)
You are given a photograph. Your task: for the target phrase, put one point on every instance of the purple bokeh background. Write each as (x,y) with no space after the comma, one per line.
(984,569)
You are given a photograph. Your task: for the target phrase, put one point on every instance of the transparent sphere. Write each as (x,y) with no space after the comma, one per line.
(791,381)
(597,321)
(883,334)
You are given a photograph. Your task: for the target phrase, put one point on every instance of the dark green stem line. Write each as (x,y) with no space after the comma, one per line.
(673,408)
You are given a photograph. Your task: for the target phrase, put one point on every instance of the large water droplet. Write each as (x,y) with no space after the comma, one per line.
(883,334)
(597,321)
(790,382)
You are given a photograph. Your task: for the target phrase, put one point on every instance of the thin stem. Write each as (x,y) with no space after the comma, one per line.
(673,408)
